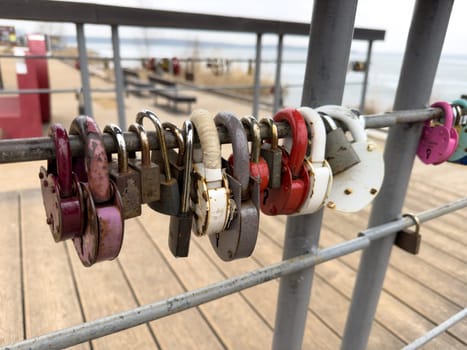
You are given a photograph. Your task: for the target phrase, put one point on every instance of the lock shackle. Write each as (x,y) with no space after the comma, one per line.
(349,118)
(461,102)
(253,126)
(188,133)
(274,140)
(330,124)
(241,157)
(318,133)
(62,164)
(299,137)
(95,162)
(210,144)
(117,134)
(145,147)
(415,219)
(171,127)
(448,115)
(146,113)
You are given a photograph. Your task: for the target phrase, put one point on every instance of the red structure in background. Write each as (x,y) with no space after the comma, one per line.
(22,115)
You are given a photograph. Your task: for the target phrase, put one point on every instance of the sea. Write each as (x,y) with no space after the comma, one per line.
(450,82)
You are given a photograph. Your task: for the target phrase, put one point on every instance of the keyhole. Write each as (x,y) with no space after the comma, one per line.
(217,240)
(428,153)
(266,195)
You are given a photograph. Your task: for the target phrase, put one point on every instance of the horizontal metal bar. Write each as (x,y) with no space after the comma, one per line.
(31,149)
(127,319)
(418,343)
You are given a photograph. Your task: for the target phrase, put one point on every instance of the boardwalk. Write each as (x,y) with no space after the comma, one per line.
(43,286)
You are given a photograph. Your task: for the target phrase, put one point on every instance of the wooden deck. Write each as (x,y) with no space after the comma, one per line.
(43,286)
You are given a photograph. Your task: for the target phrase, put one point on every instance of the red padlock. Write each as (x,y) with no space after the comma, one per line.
(103,234)
(295,180)
(61,192)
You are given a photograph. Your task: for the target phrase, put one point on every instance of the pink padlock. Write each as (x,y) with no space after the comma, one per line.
(438,142)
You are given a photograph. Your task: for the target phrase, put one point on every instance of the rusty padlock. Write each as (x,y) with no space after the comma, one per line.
(295,180)
(238,240)
(258,167)
(339,152)
(169,202)
(126,179)
(180,225)
(272,154)
(61,192)
(102,236)
(150,174)
(409,240)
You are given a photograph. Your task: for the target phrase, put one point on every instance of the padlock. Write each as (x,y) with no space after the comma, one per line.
(238,240)
(169,202)
(272,154)
(460,154)
(149,172)
(438,142)
(356,187)
(127,180)
(180,225)
(339,152)
(409,240)
(210,195)
(295,180)
(258,166)
(102,236)
(318,168)
(61,192)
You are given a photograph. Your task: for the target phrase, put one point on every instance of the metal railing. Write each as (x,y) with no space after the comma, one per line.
(329,49)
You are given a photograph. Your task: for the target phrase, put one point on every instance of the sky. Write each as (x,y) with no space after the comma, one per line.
(391,15)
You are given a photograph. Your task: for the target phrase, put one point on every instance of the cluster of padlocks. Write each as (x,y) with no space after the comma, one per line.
(88,197)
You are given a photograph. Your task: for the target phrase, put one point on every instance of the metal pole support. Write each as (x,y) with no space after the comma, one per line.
(424,44)
(277,83)
(328,57)
(119,84)
(365,77)
(257,85)
(83,68)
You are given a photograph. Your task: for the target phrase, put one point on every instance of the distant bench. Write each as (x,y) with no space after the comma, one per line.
(131,79)
(170,93)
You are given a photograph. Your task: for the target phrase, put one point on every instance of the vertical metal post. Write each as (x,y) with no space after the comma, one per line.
(277,83)
(83,68)
(423,49)
(365,77)
(119,84)
(328,56)
(257,88)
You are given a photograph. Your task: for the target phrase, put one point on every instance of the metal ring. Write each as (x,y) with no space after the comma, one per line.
(117,135)
(171,127)
(143,138)
(415,219)
(269,122)
(252,124)
(161,136)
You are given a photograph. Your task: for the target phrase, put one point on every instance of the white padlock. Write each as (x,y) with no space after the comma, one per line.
(211,208)
(318,168)
(356,187)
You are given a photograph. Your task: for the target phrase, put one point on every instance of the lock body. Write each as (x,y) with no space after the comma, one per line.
(409,241)
(128,184)
(273,158)
(150,177)
(339,152)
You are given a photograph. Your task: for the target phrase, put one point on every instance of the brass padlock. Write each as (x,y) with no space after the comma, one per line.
(169,202)
(272,154)
(409,240)
(127,180)
(339,152)
(150,173)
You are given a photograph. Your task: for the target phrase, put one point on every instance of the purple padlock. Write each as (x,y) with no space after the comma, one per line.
(437,143)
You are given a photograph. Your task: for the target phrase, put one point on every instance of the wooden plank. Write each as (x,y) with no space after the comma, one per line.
(327,302)
(156,281)
(11,316)
(264,299)
(50,299)
(233,319)
(104,291)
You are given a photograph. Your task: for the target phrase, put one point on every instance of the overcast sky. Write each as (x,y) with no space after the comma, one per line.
(391,15)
